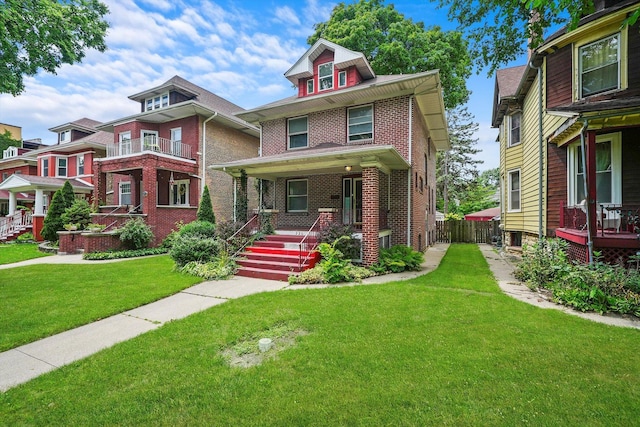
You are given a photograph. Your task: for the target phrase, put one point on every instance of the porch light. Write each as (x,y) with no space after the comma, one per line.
(347,168)
(171,181)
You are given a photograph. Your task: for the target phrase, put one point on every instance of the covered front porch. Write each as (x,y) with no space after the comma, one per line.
(42,189)
(601,211)
(356,185)
(163,190)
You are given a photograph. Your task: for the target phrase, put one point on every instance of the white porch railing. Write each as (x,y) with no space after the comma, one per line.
(151,144)
(15,223)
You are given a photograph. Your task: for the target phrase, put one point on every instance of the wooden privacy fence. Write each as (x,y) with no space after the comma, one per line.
(463,231)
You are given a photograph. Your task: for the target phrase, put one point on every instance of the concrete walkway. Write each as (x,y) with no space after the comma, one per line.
(24,363)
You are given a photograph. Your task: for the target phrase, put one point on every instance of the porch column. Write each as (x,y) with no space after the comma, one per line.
(12,202)
(370,215)
(590,171)
(149,196)
(39,205)
(100,188)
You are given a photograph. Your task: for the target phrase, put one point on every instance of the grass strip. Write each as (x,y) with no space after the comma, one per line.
(41,300)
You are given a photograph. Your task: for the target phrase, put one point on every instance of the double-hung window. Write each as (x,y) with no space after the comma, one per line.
(298,130)
(342,78)
(514,128)
(360,123)
(325,76)
(514,190)
(607,169)
(62,166)
(65,136)
(176,142)
(157,102)
(600,66)
(80,164)
(179,192)
(297,199)
(125,143)
(45,167)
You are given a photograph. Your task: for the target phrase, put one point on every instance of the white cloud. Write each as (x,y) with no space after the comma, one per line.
(286,15)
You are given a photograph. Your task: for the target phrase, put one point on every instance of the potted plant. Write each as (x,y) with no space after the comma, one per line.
(95,228)
(71,226)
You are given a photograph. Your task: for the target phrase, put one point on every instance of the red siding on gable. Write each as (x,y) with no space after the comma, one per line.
(559,75)
(353,76)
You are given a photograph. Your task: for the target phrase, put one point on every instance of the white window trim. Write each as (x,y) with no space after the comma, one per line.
(509,173)
(78,159)
(153,103)
(120,193)
(42,164)
(616,168)
(66,167)
(289,134)
(298,195)
(349,141)
(65,136)
(342,73)
(310,86)
(620,64)
(124,137)
(320,89)
(176,184)
(509,129)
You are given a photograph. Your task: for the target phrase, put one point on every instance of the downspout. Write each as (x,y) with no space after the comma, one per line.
(204,153)
(409,171)
(540,149)
(584,183)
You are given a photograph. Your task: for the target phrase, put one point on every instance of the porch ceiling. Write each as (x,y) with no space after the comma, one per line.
(317,161)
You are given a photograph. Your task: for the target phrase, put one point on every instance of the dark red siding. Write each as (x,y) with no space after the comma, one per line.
(559,77)
(556,185)
(630,169)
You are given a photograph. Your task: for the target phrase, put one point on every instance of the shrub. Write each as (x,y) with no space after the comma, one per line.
(221,267)
(79,213)
(544,262)
(115,254)
(25,237)
(136,234)
(227,229)
(266,227)
(350,248)
(67,192)
(53,221)
(397,259)
(196,248)
(205,210)
(168,241)
(198,228)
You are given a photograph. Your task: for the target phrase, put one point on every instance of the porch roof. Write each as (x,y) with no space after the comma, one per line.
(28,197)
(24,183)
(608,114)
(323,159)
(425,87)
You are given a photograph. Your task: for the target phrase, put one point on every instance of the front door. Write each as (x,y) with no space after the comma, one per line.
(150,140)
(352,201)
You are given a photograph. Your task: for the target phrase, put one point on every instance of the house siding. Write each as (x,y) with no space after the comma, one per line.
(630,169)
(559,82)
(557,185)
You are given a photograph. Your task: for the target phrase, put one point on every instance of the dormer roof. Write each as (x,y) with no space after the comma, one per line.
(343,58)
(84,124)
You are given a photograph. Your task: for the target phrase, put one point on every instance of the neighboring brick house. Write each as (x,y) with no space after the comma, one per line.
(569,131)
(352,146)
(156,158)
(35,174)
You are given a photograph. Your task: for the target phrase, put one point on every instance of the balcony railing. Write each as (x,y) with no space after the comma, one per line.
(149,144)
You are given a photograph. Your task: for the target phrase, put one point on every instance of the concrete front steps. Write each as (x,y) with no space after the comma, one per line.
(277,257)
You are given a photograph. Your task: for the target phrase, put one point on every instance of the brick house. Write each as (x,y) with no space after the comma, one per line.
(569,129)
(31,175)
(352,147)
(154,165)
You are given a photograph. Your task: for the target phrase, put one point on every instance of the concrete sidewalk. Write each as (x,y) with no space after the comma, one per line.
(26,362)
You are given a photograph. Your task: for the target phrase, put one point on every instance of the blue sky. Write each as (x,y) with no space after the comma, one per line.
(236,49)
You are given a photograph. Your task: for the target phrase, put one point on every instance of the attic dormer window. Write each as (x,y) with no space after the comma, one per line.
(310,86)
(65,136)
(157,102)
(10,152)
(325,76)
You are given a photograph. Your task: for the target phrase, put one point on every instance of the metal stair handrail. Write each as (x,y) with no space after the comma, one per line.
(305,244)
(228,240)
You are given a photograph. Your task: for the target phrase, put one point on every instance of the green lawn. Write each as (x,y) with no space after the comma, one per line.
(14,252)
(41,300)
(447,348)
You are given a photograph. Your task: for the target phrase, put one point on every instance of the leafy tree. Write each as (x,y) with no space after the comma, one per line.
(69,196)
(44,34)
(457,168)
(205,210)
(53,221)
(6,141)
(480,193)
(500,30)
(394,44)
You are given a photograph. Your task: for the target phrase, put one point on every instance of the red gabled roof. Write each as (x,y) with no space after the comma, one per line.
(483,215)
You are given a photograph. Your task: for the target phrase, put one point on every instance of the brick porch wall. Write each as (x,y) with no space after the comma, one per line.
(370,215)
